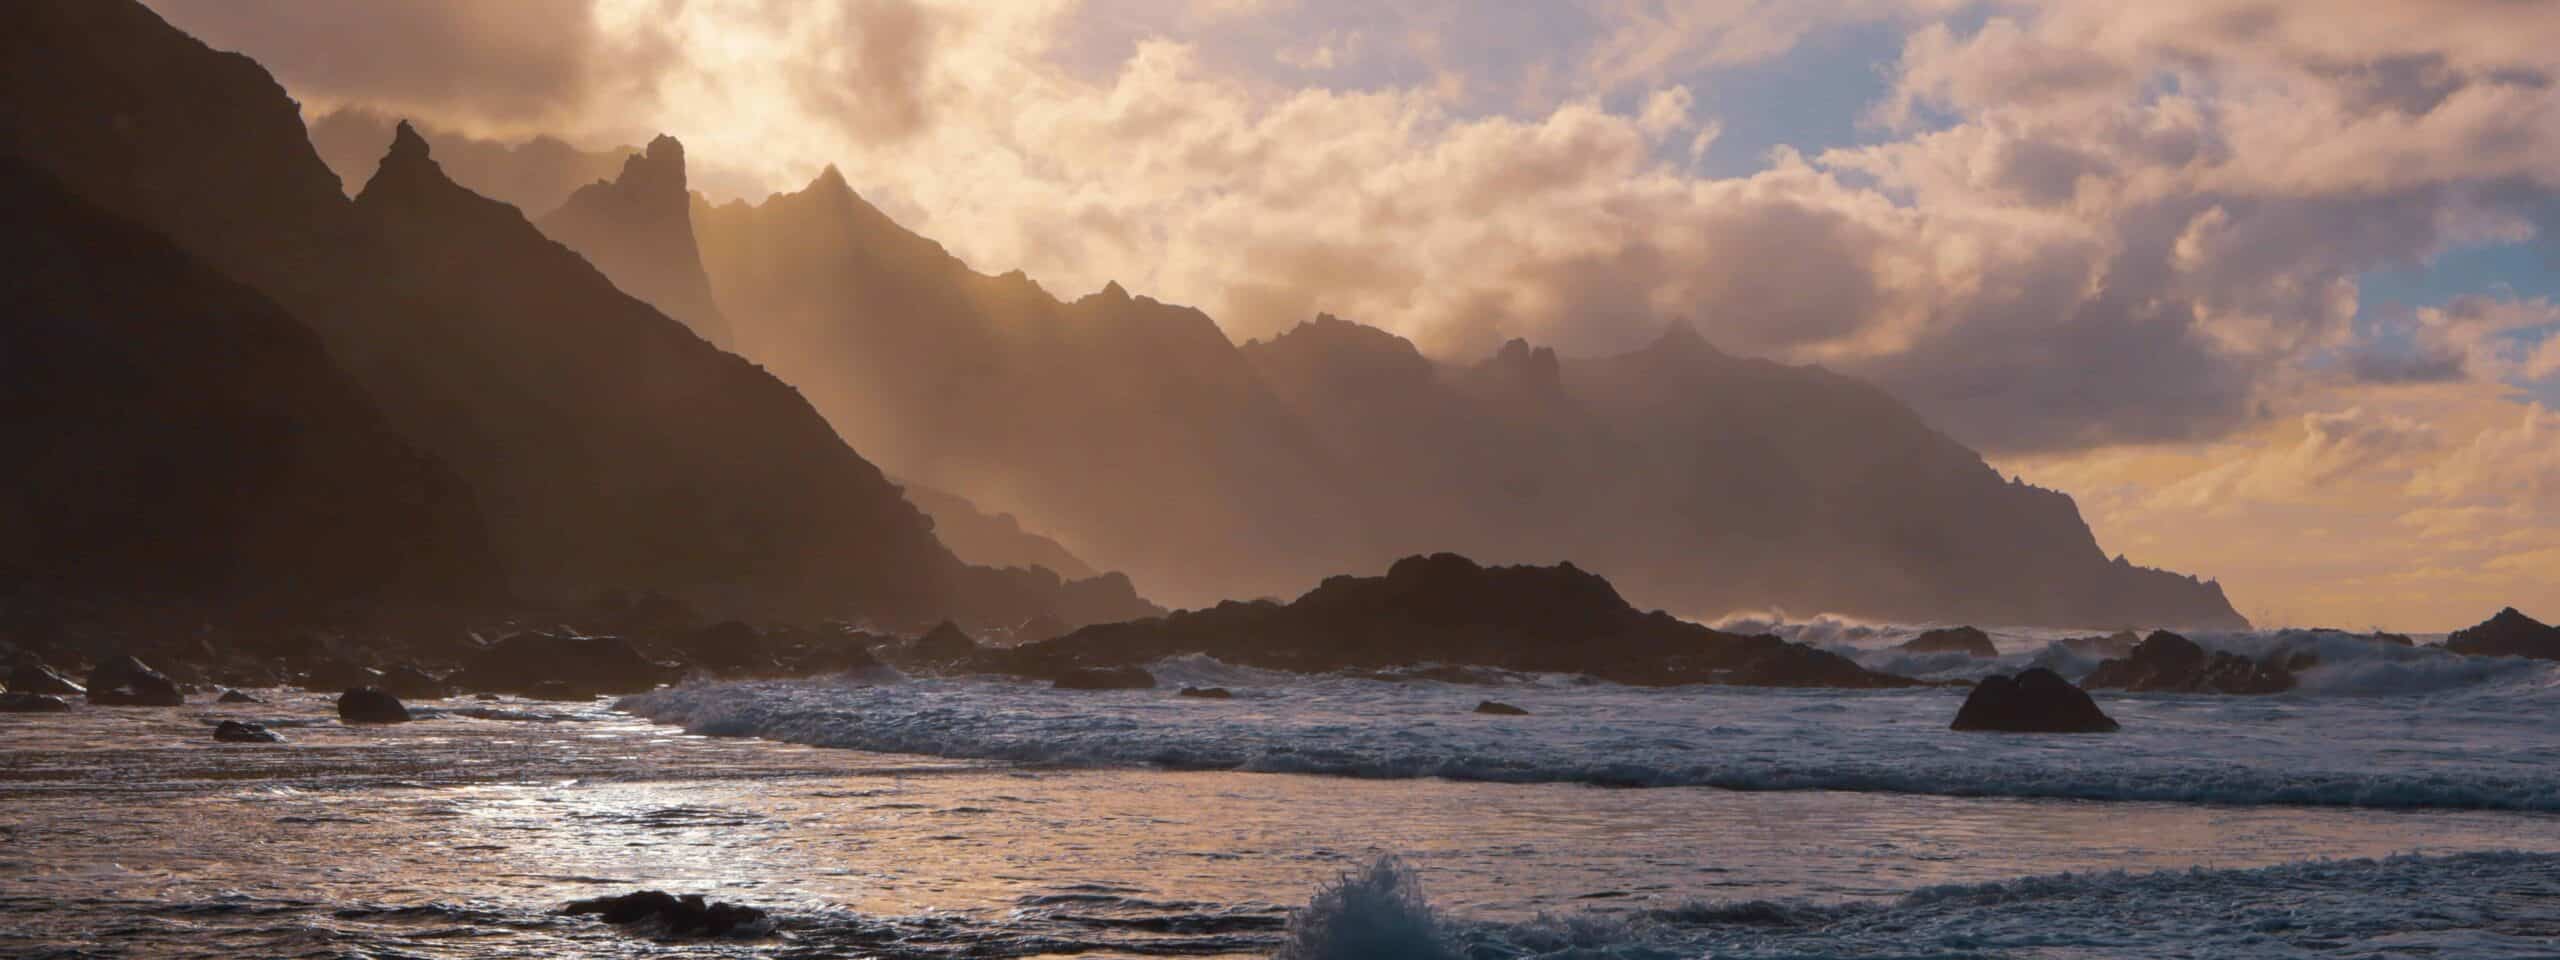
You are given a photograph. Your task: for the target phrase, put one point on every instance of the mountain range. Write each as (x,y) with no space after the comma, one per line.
(604,446)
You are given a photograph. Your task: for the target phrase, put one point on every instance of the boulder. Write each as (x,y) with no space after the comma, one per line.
(333,674)
(2035,701)
(234,731)
(123,681)
(369,705)
(29,674)
(2509,634)
(2167,662)
(525,661)
(1042,627)
(1965,640)
(408,682)
(14,702)
(1208,693)
(1450,611)
(1499,709)
(664,914)
(945,643)
(235,696)
(1106,678)
(729,648)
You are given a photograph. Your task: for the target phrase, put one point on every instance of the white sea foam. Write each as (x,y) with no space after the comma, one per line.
(2471,905)
(2384,727)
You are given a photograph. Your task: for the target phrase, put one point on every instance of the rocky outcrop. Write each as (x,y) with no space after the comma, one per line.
(727,648)
(234,731)
(575,666)
(2508,634)
(2167,662)
(122,681)
(1207,693)
(2035,701)
(15,702)
(1105,678)
(236,697)
(1446,609)
(533,176)
(1499,709)
(2117,644)
(945,643)
(638,229)
(369,705)
(667,915)
(1969,641)
(29,673)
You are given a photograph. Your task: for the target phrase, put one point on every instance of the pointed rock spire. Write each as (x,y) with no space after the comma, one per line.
(657,172)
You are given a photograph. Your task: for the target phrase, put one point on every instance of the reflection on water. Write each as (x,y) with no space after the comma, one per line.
(127,832)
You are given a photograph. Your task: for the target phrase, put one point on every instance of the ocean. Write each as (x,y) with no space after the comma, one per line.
(2400,802)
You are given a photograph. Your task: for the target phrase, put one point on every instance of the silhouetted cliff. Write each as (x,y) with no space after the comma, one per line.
(1147,442)
(638,229)
(606,445)
(178,443)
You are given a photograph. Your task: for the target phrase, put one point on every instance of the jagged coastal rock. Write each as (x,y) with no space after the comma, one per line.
(2508,634)
(1970,641)
(15,702)
(29,673)
(1498,708)
(2037,700)
(664,914)
(234,731)
(2167,662)
(122,681)
(574,666)
(368,705)
(1447,609)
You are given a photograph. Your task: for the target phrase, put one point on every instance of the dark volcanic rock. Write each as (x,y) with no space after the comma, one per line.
(1499,709)
(368,705)
(2168,662)
(14,702)
(2035,701)
(1208,693)
(234,731)
(235,696)
(669,915)
(126,682)
(730,648)
(2509,634)
(1965,640)
(1106,678)
(29,674)
(1445,609)
(594,665)
(945,643)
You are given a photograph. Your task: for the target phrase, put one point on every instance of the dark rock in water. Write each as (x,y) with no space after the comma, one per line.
(1446,609)
(2035,701)
(2394,639)
(730,648)
(1965,640)
(1043,627)
(525,661)
(945,643)
(368,705)
(829,651)
(235,696)
(1106,678)
(1499,709)
(29,674)
(341,675)
(14,702)
(670,915)
(1208,693)
(2117,644)
(408,682)
(123,681)
(234,731)
(2168,662)
(2509,634)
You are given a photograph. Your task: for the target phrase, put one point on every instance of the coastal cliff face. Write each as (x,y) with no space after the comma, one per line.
(607,446)
(1145,441)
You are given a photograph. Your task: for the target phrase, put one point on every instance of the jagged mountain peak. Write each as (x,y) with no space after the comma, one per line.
(657,172)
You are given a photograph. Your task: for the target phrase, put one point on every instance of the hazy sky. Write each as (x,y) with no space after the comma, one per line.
(2272,288)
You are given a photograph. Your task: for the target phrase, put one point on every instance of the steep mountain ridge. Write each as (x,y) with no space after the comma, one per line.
(1696,480)
(607,445)
(638,229)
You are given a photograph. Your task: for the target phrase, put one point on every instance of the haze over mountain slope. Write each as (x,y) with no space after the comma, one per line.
(638,229)
(535,176)
(1146,441)
(607,446)
(180,444)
